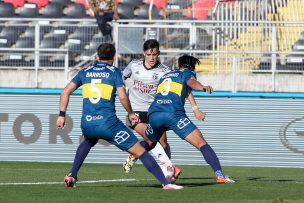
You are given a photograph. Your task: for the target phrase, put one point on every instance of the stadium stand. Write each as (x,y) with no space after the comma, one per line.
(253,37)
(5,42)
(25,42)
(133,3)
(125,11)
(83,33)
(74,10)
(63,2)
(160,4)
(12,32)
(50,42)
(7,10)
(16,3)
(29,11)
(40,3)
(143,12)
(83,2)
(52,10)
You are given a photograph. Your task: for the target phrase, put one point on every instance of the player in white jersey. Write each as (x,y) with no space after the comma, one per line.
(143,76)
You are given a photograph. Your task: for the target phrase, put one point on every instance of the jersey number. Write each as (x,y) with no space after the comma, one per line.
(167,83)
(95,89)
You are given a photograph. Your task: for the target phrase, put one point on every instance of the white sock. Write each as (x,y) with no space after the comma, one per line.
(159,152)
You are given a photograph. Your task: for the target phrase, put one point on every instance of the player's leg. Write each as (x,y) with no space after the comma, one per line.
(125,140)
(81,153)
(158,151)
(131,159)
(152,166)
(197,140)
(163,153)
(164,143)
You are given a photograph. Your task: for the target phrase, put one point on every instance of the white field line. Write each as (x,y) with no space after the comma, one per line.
(78,182)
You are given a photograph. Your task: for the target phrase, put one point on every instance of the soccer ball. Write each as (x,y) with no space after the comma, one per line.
(167,169)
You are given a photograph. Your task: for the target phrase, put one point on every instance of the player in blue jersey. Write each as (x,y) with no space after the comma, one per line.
(167,112)
(100,82)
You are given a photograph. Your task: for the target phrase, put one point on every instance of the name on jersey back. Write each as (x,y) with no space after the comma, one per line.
(97,75)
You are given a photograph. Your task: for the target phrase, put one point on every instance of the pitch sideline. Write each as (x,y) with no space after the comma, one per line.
(78,182)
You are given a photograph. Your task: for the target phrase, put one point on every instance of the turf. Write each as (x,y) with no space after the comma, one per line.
(43,182)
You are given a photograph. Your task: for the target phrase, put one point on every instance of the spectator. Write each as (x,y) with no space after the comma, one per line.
(104,11)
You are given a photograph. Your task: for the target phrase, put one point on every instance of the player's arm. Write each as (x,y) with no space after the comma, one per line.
(64,101)
(127,72)
(200,115)
(196,85)
(124,100)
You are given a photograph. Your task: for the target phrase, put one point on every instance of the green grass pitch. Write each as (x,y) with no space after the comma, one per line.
(43,182)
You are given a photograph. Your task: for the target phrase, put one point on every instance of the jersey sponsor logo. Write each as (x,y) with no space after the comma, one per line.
(99,69)
(142,88)
(93,118)
(97,74)
(164,101)
(121,136)
(182,123)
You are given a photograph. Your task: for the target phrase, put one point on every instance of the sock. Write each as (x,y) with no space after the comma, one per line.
(212,159)
(168,151)
(81,153)
(159,152)
(145,145)
(153,167)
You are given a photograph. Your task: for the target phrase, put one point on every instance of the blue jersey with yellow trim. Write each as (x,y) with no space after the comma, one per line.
(172,91)
(99,82)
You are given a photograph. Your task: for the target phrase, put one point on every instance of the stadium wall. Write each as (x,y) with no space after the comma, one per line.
(245,129)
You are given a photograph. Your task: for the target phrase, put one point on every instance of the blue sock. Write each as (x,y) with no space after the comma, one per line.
(145,145)
(212,159)
(81,153)
(152,166)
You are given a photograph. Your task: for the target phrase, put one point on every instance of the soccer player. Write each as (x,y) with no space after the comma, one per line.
(167,113)
(100,82)
(143,76)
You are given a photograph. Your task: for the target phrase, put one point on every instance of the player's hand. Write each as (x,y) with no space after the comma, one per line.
(116,16)
(134,119)
(199,115)
(60,122)
(208,89)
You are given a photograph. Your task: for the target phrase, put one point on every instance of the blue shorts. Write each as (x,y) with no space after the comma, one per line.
(114,132)
(160,122)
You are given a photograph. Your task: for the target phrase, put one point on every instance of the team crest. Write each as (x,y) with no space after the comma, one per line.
(155,77)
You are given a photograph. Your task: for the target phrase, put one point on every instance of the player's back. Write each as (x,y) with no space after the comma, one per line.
(172,91)
(99,82)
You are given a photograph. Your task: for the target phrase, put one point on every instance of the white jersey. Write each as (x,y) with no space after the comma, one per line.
(143,83)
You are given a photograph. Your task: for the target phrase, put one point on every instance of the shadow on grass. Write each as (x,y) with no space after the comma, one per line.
(267,179)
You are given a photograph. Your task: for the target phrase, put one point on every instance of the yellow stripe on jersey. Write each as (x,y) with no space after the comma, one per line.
(174,87)
(105,90)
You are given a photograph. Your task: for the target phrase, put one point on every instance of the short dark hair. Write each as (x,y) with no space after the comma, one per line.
(106,51)
(187,61)
(150,44)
